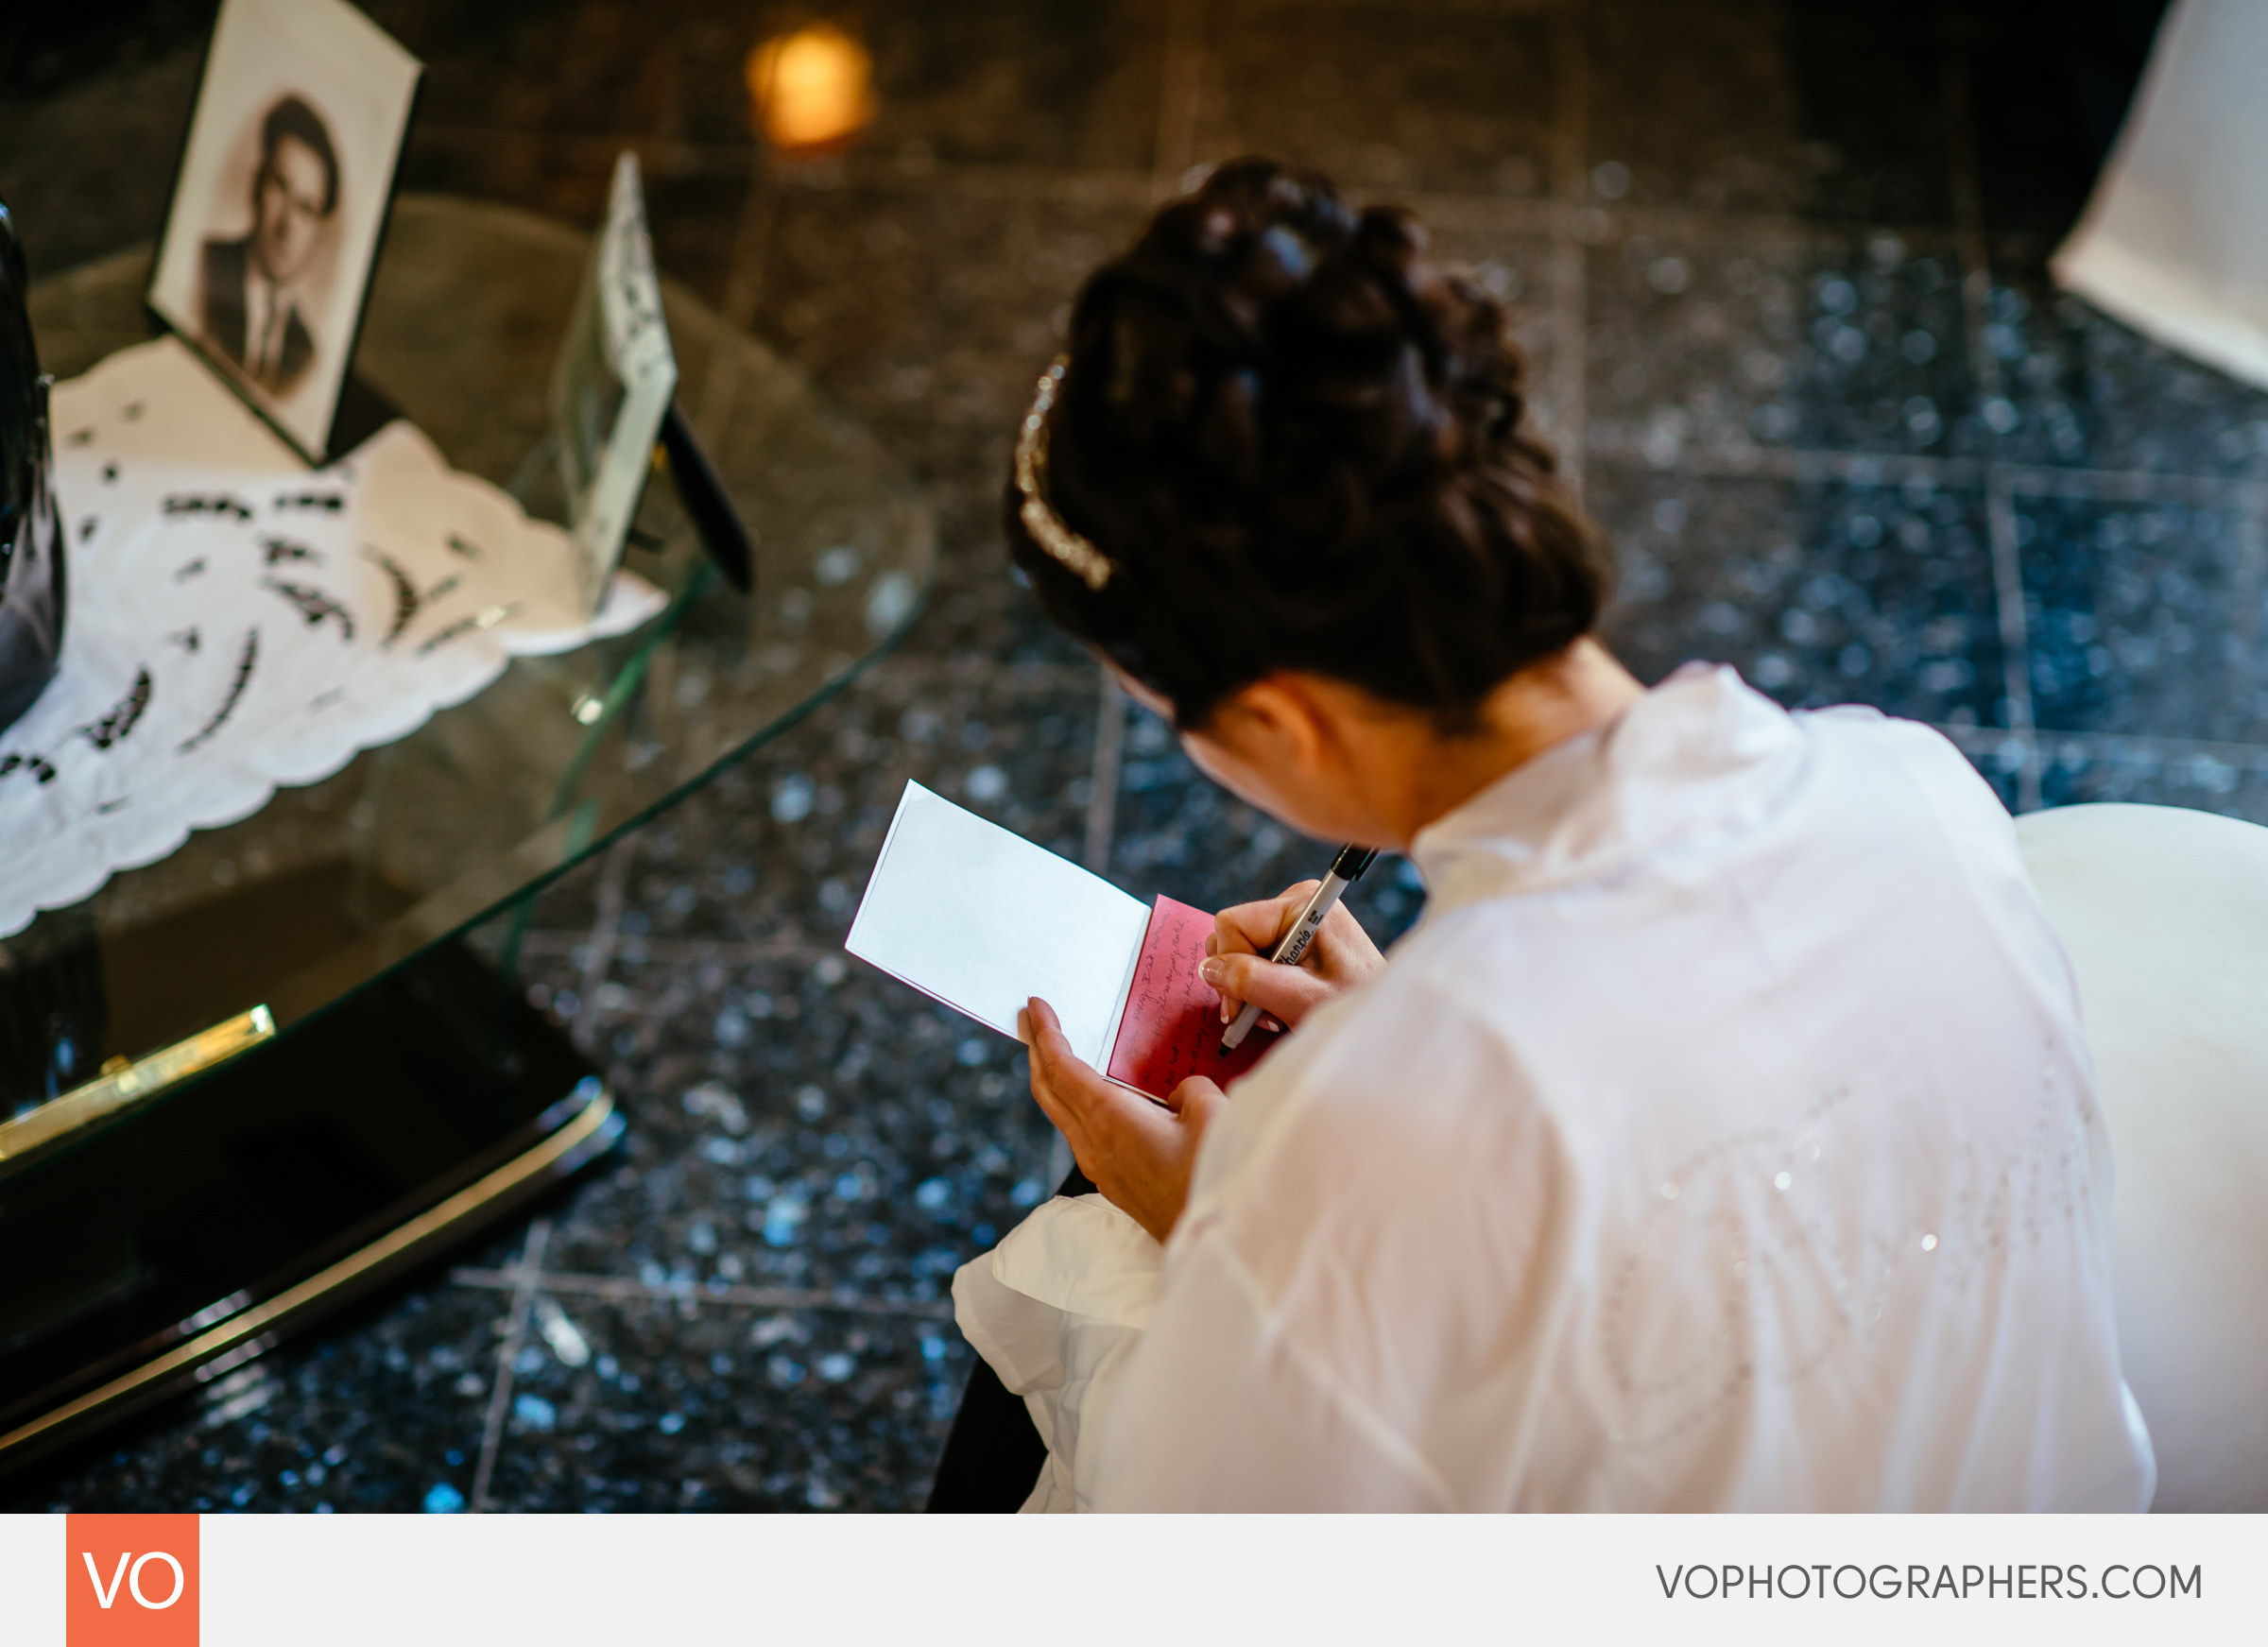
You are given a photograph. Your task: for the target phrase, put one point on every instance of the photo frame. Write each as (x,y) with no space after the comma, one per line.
(281,204)
(613,386)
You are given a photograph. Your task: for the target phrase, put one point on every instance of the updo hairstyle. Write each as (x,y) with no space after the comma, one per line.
(1299,443)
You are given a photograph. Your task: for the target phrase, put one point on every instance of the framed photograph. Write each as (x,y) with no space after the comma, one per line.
(613,386)
(280,203)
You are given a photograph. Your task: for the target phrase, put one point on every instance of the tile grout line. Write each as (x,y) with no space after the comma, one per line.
(1862,468)
(1999,497)
(1102,795)
(625,1289)
(738,950)
(1750,462)
(1457,208)
(1181,84)
(1102,817)
(2117,747)
(606,931)
(1462,209)
(1968,213)
(524,1277)
(2132,485)
(751,245)
(982,179)
(1570,137)
(2252,546)
(2016,645)
(744,291)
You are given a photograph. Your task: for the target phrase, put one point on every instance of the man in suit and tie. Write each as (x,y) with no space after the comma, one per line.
(251,311)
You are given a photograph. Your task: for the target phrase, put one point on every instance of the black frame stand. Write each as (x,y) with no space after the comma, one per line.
(708,505)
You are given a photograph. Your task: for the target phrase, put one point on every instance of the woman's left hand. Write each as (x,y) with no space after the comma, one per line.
(1138,1154)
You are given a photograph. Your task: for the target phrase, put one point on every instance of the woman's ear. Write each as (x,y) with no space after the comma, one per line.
(1315,753)
(1275,724)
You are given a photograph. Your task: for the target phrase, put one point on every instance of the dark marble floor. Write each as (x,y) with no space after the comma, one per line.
(1780,270)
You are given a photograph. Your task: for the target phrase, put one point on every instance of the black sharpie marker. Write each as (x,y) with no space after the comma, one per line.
(1346,869)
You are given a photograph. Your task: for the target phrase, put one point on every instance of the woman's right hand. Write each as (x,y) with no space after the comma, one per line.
(1340,956)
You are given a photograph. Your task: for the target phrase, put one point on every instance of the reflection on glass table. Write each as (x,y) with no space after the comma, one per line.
(308,1017)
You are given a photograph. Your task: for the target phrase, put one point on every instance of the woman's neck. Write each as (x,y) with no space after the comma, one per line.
(1580,690)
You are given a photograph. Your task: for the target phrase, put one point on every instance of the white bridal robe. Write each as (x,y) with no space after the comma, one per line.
(1721,1138)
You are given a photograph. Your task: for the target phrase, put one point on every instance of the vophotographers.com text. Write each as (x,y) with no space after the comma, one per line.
(1887,1581)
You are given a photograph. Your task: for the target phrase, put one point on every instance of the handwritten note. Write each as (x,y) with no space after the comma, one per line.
(983,920)
(1172,1026)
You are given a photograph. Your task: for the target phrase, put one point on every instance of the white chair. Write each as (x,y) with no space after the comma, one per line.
(2177,232)
(2165,914)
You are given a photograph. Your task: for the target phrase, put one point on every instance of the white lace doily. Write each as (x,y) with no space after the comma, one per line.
(238,622)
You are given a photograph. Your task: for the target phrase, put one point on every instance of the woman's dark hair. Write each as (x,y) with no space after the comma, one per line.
(1299,443)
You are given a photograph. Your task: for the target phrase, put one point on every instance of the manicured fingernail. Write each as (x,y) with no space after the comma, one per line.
(1214,972)
(1024,1025)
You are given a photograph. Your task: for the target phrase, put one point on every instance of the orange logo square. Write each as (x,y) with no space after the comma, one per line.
(130,1580)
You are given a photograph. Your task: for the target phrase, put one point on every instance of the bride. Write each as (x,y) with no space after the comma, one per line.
(1721,1138)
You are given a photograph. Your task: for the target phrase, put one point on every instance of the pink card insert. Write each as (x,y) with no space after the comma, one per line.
(1171,1029)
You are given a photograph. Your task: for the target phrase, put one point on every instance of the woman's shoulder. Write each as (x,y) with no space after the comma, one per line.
(1898,793)
(1869,744)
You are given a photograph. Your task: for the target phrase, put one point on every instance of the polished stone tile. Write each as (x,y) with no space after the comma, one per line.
(589,68)
(802,1122)
(1818,593)
(1002,83)
(1715,342)
(87,165)
(1831,111)
(779,848)
(2084,390)
(930,313)
(1516,268)
(1025,82)
(1461,102)
(2145,617)
(380,1411)
(693,201)
(661,1405)
(981,604)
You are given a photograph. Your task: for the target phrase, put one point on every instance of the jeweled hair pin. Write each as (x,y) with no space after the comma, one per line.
(1082,558)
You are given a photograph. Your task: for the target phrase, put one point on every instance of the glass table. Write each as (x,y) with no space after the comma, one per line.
(290,1060)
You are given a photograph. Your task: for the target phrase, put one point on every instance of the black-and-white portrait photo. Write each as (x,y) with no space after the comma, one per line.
(280,203)
(255,300)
